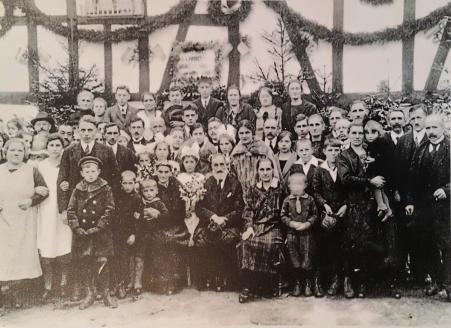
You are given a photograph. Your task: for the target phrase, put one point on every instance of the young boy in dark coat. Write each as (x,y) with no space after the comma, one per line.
(306,164)
(155,213)
(129,214)
(331,201)
(299,214)
(89,213)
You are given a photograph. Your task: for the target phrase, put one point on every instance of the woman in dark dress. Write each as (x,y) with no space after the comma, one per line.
(260,250)
(170,237)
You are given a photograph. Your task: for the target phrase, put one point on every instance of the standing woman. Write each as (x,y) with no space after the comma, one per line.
(247,153)
(260,251)
(22,188)
(235,111)
(54,235)
(149,114)
(267,110)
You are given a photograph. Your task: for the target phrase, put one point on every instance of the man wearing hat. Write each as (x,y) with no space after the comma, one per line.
(43,124)
(89,212)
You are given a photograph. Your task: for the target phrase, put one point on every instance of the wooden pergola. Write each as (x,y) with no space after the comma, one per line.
(74,22)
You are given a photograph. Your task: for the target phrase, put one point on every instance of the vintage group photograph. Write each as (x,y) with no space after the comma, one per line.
(208,163)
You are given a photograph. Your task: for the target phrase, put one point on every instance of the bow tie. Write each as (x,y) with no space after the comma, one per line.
(139,142)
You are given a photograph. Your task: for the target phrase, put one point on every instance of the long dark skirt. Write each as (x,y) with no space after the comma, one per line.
(261,253)
(165,263)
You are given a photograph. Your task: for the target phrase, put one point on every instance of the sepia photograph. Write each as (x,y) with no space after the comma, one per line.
(208,163)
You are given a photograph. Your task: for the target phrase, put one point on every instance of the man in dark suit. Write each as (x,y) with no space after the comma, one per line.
(270,133)
(429,198)
(125,158)
(121,113)
(410,230)
(69,173)
(207,105)
(220,219)
(137,143)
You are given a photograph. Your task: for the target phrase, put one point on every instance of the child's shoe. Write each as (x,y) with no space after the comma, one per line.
(308,288)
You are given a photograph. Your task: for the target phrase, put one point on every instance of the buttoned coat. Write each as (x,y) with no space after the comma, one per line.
(92,206)
(204,114)
(70,172)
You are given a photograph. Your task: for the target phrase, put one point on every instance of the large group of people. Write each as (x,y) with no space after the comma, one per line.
(223,196)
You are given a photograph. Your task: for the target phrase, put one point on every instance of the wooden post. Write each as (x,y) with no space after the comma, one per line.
(408,49)
(439,60)
(234,55)
(33,56)
(73,43)
(337,48)
(143,56)
(108,61)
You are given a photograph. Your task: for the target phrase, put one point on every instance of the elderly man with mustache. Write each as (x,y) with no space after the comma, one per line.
(220,217)
(429,199)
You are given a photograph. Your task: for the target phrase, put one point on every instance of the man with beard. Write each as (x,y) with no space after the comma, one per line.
(357,233)
(397,122)
(66,133)
(428,198)
(220,219)
(43,124)
(411,231)
(270,133)
(125,158)
(138,143)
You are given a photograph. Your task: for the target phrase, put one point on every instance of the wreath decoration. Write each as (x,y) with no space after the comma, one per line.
(378,2)
(217,15)
(188,46)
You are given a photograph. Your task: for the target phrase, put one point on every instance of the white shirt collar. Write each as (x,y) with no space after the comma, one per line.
(205,101)
(333,173)
(395,136)
(306,167)
(114,148)
(419,135)
(90,145)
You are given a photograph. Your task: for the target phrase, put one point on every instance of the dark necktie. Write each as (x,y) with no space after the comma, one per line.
(434,148)
(220,184)
(86,150)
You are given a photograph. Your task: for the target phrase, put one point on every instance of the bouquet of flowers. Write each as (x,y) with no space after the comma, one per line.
(191,191)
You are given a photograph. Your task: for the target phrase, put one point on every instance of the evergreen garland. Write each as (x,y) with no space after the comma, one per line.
(219,18)
(402,31)
(378,2)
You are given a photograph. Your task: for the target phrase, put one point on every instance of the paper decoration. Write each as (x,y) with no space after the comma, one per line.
(243,49)
(158,53)
(227,49)
(21,56)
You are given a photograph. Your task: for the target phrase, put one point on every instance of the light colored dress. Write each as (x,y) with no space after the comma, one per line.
(54,237)
(19,257)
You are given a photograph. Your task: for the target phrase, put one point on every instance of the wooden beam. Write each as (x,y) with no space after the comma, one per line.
(167,75)
(408,49)
(108,62)
(73,43)
(304,61)
(33,56)
(337,48)
(439,60)
(234,55)
(143,56)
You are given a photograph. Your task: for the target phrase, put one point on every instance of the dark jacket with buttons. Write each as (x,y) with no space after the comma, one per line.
(91,206)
